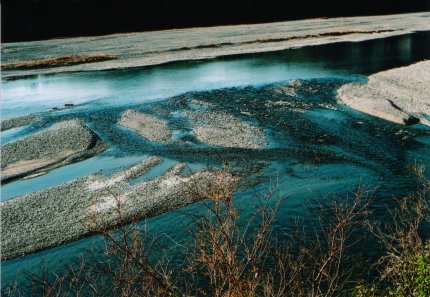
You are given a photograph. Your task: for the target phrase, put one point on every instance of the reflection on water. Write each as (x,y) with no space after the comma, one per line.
(316,147)
(103,162)
(120,87)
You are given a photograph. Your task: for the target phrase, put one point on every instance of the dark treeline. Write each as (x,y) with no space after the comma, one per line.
(42,19)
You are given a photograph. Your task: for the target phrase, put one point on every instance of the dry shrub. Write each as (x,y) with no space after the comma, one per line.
(57,62)
(405,267)
(230,258)
(122,267)
(234,261)
(322,263)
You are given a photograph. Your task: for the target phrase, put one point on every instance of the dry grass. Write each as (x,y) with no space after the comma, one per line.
(57,62)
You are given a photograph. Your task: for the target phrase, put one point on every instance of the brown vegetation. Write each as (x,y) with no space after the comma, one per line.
(226,258)
(405,267)
(57,62)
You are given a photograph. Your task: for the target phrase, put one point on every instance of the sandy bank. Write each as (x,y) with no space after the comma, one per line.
(400,95)
(224,130)
(152,48)
(149,127)
(67,212)
(65,142)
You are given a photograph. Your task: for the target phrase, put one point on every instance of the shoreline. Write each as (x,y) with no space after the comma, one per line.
(161,47)
(399,95)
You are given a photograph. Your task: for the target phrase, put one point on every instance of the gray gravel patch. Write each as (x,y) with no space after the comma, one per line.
(65,142)
(149,127)
(17,122)
(153,48)
(225,130)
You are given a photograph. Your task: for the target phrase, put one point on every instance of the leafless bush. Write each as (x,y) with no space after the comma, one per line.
(126,269)
(405,267)
(228,257)
(313,265)
(320,264)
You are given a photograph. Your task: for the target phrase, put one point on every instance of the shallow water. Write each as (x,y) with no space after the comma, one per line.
(316,146)
(121,87)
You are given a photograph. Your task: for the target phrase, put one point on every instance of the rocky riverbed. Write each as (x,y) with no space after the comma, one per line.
(17,122)
(224,130)
(249,128)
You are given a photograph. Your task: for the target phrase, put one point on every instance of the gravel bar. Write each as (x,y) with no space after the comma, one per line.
(64,143)
(400,95)
(17,122)
(149,127)
(77,209)
(225,130)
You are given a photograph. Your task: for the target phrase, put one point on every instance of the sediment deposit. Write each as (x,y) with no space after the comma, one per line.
(152,48)
(149,127)
(77,209)
(400,95)
(64,143)
(17,122)
(225,130)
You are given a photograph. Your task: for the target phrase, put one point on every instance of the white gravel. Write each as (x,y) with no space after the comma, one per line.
(149,127)
(400,95)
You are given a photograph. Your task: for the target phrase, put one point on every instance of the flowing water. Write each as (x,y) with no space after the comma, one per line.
(316,146)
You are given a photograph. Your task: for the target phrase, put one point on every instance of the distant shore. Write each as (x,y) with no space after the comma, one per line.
(158,47)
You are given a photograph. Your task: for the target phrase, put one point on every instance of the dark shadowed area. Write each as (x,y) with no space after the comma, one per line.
(24,20)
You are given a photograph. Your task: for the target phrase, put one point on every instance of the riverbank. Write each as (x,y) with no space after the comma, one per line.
(153,48)
(64,143)
(399,95)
